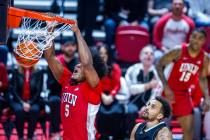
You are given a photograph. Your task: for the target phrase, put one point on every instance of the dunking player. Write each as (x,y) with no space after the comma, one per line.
(78,89)
(153,129)
(189,63)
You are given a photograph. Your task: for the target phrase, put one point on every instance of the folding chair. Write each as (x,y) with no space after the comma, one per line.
(129,41)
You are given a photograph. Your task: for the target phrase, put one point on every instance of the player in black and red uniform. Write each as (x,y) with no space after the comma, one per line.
(189,63)
(78,88)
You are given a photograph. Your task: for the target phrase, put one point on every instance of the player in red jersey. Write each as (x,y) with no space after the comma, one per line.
(189,63)
(78,89)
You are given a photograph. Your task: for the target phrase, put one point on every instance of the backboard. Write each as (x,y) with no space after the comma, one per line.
(3,20)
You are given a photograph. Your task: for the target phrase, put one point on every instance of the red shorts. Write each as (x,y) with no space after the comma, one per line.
(183,105)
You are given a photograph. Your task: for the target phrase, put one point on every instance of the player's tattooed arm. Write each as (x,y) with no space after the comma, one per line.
(204,82)
(164,134)
(132,137)
(169,57)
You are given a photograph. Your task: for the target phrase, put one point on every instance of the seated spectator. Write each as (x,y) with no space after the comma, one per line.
(69,60)
(111,87)
(115,12)
(157,8)
(172,29)
(143,82)
(123,12)
(87,10)
(111,82)
(199,11)
(24,92)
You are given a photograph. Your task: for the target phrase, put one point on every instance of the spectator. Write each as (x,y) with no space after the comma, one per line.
(116,11)
(111,87)
(123,12)
(87,12)
(111,82)
(143,83)
(199,11)
(157,8)
(172,29)
(24,91)
(142,77)
(69,60)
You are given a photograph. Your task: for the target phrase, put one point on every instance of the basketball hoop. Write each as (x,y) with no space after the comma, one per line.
(36,31)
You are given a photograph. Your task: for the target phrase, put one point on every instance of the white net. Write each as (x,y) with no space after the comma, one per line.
(36,37)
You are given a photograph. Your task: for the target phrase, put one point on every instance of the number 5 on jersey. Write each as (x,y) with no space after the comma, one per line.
(67,110)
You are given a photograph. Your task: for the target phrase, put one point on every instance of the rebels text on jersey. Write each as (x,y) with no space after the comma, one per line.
(185,71)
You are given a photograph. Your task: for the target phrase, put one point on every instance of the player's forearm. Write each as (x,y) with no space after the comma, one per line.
(204,87)
(160,69)
(83,50)
(55,66)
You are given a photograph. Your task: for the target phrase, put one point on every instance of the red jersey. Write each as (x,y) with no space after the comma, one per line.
(184,74)
(74,106)
(185,71)
(111,83)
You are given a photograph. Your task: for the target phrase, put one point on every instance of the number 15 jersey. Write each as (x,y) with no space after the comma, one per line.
(185,71)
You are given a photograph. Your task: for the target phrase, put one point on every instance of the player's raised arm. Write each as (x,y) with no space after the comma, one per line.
(86,59)
(55,66)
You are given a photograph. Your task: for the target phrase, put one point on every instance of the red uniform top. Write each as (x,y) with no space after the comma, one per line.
(74,106)
(61,59)
(111,83)
(185,71)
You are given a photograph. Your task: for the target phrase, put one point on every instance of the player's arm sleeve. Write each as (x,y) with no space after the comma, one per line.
(164,134)
(116,79)
(159,30)
(93,95)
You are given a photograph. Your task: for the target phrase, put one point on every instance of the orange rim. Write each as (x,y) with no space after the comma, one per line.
(15,15)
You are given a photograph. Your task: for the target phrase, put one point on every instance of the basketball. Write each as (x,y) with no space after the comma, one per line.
(27,53)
